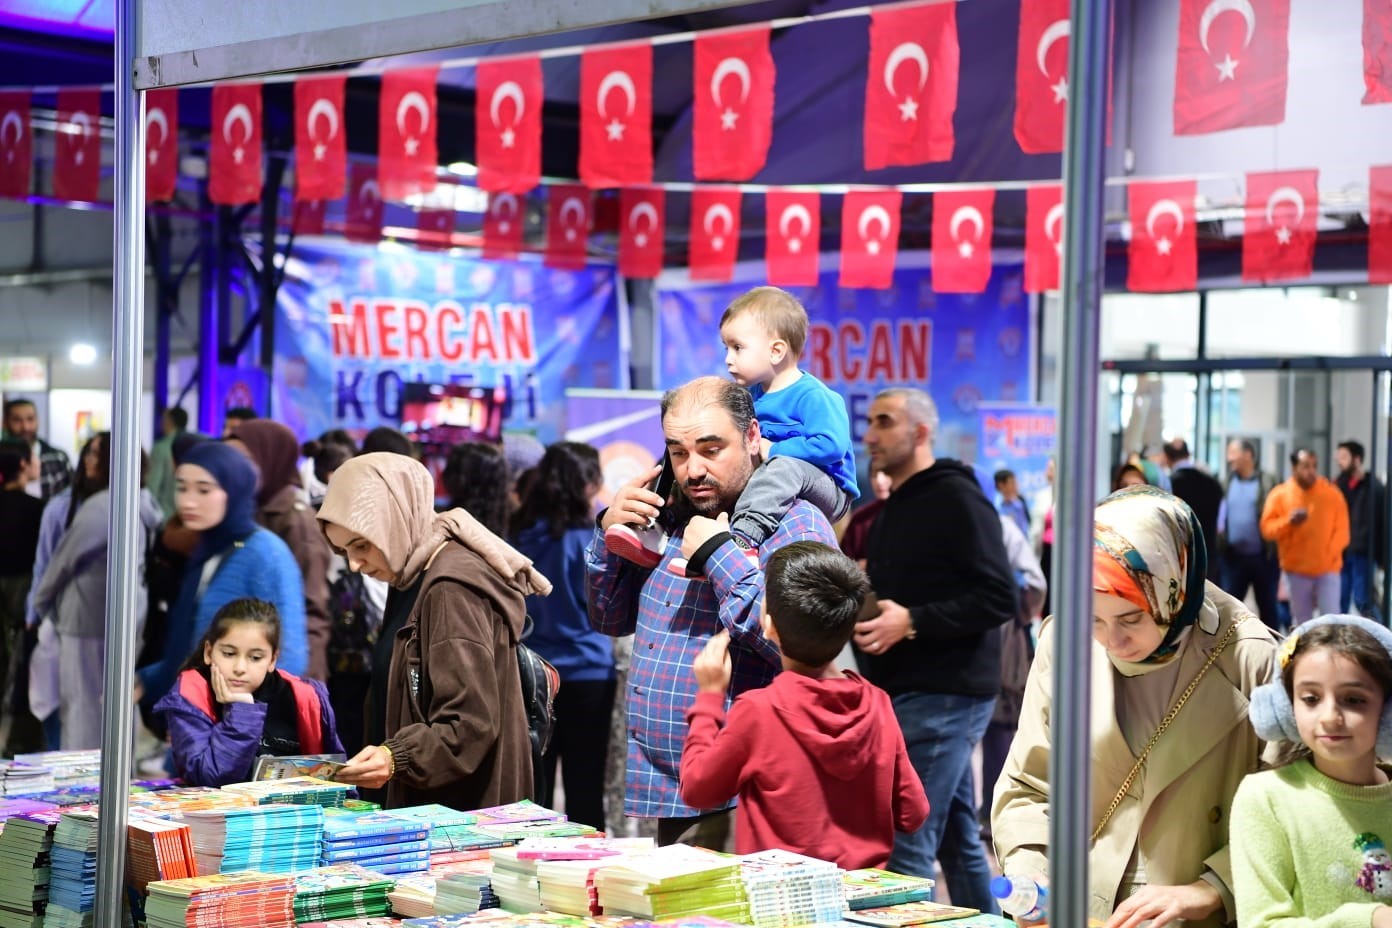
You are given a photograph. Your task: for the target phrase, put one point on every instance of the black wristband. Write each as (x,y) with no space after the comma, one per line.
(696,564)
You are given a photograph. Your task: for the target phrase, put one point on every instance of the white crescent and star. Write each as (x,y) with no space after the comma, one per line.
(639,211)
(726,217)
(568,206)
(622,81)
(369,191)
(1227,68)
(412,100)
(327,110)
(1284,195)
(966,214)
(154,117)
(740,69)
(507,90)
(803,216)
(906,51)
(874,213)
(11,119)
(237,113)
(1056,31)
(84,123)
(1159,208)
(496,208)
(1054,219)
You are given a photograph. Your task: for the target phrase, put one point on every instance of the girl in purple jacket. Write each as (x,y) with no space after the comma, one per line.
(230,704)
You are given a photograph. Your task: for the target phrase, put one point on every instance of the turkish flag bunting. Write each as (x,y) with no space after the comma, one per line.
(161,144)
(507,124)
(16,144)
(321,138)
(502,226)
(911,87)
(640,235)
(567,226)
(1231,67)
(363,216)
(869,238)
(1380,225)
(732,124)
(715,233)
(407,157)
(616,116)
(793,235)
(435,227)
(1163,256)
(1041,75)
(307,217)
(234,145)
(962,223)
(77,146)
(1043,237)
(1377,51)
(1278,238)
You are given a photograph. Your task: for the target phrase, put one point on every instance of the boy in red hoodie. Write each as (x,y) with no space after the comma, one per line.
(816,757)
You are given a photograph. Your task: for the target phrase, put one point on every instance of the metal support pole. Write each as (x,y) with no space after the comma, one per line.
(267,283)
(1070,796)
(209,312)
(123,566)
(1203,388)
(166,299)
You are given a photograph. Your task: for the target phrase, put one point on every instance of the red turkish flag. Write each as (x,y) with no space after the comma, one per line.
(732,123)
(1278,237)
(568,215)
(1041,75)
(363,215)
(161,144)
(1380,225)
(16,144)
(321,139)
(911,87)
(1377,51)
(793,235)
(642,214)
(507,124)
(77,146)
(407,157)
(1043,237)
(502,226)
(616,116)
(715,233)
(1163,256)
(1231,67)
(435,227)
(307,217)
(869,238)
(962,224)
(234,145)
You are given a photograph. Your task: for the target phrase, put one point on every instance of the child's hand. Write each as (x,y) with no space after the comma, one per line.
(222,692)
(712,666)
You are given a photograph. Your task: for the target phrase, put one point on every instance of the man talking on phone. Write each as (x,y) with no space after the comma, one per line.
(1308,519)
(712,440)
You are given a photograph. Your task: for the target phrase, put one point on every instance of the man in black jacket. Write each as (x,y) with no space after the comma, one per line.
(1202,492)
(944,587)
(1367,536)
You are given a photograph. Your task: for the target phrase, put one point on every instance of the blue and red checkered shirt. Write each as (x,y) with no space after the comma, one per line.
(671,619)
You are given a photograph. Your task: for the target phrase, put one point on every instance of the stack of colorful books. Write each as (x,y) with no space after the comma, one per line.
(25,846)
(157,850)
(251,899)
(341,891)
(909,913)
(787,889)
(873,888)
(72,885)
(454,837)
(70,768)
(24,779)
(464,888)
(414,895)
(293,791)
(380,841)
(274,839)
(674,882)
(174,802)
(566,866)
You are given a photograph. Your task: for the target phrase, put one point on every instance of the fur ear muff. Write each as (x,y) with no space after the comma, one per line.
(1271,713)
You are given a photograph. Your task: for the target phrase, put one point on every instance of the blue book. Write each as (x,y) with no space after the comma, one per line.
(334,853)
(340,827)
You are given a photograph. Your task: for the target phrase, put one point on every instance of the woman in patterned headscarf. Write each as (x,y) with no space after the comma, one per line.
(1159,801)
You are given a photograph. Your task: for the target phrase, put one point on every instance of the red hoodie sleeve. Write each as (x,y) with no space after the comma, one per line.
(712,764)
(910,801)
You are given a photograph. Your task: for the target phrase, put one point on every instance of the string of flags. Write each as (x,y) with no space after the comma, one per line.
(1231,72)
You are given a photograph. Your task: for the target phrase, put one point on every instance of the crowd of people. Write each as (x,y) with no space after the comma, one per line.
(815,677)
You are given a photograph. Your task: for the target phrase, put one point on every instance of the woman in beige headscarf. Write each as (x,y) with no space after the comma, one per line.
(456,731)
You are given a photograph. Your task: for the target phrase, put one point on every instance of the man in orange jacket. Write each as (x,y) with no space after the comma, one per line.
(1308,519)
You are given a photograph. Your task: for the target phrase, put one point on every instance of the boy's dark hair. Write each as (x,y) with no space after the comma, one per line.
(14,455)
(813,595)
(1346,640)
(178,416)
(1354,448)
(778,311)
(1003,477)
(237,612)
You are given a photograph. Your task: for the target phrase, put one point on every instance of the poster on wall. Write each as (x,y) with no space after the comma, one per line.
(355,323)
(964,349)
(624,425)
(1019,437)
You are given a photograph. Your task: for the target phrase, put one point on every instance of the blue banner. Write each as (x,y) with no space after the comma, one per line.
(354,323)
(963,349)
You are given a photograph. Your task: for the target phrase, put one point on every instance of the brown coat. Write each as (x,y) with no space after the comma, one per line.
(456,726)
(1176,813)
(293,521)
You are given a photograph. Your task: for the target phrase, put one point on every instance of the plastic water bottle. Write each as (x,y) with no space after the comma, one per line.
(1020,896)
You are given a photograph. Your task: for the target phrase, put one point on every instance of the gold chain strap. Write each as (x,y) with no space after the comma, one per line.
(1160,730)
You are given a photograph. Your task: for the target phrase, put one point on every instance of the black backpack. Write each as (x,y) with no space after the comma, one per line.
(540,683)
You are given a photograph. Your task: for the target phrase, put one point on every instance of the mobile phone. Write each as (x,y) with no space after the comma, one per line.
(662,486)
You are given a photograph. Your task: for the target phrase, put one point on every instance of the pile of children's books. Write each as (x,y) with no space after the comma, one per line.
(414,894)
(228,900)
(674,882)
(453,836)
(294,791)
(72,884)
(341,891)
(380,841)
(25,846)
(275,838)
(70,768)
(157,850)
(911,913)
(871,888)
(787,889)
(24,779)
(464,889)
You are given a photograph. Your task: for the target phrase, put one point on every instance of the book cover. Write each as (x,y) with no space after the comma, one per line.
(910,913)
